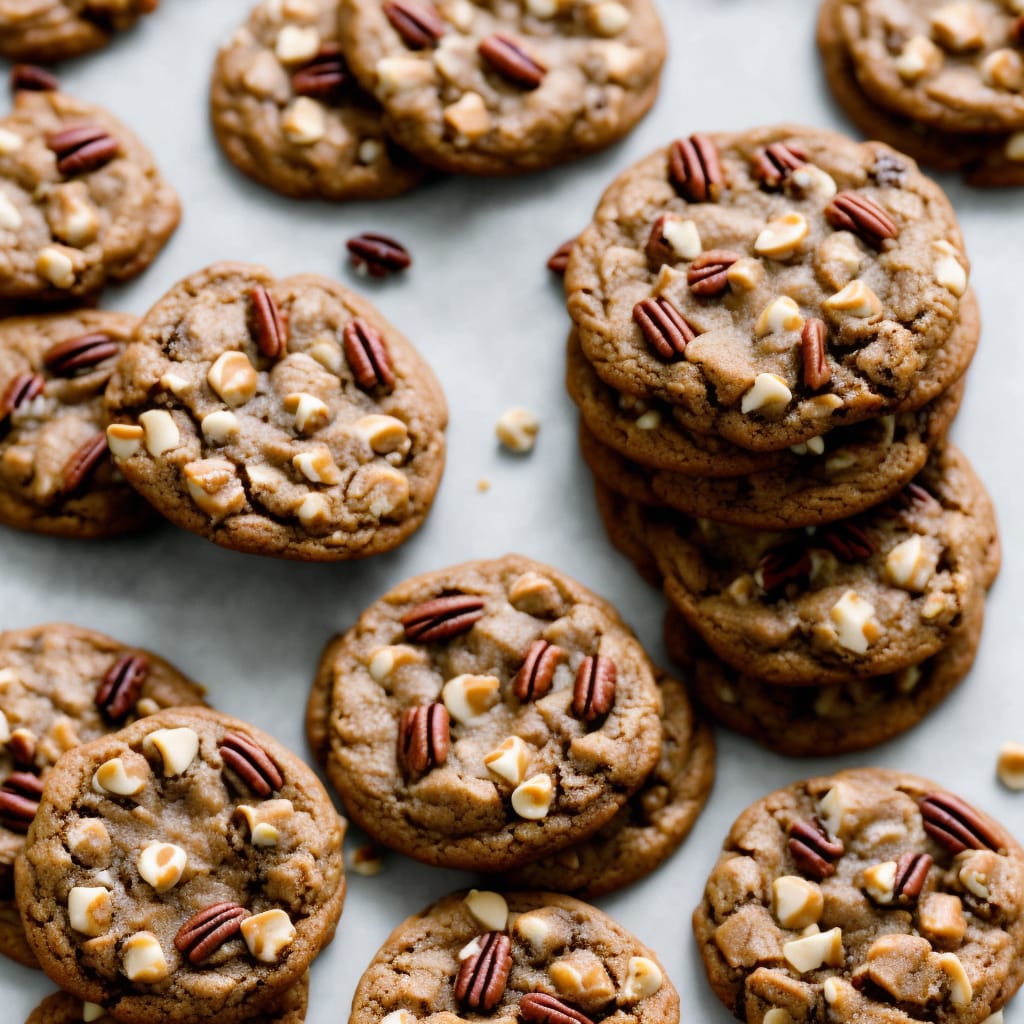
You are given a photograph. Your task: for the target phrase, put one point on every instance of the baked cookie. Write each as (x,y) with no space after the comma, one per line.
(488,714)
(128,904)
(288,113)
(654,821)
(866,896)
(49,30)
(772,284)
(532,956)
(81,200)
(55,476)
(60,686)
(504,86)
(280,417)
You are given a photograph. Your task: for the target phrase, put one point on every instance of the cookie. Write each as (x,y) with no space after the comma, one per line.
(500,87)
(127,904)
(917,896)
(81,200)
(772,284)
(279,417)
(822,721)
(49,30)
(652,824)
(488,714)
(288,113)
(626,522)
(535,956)
(55,476)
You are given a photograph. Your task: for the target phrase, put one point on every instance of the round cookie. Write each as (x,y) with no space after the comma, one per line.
(535,956)
(626,522)
(918,900)
(503,86)
(128,904)
(279,417)
(50,30)
(433,751)
(652,824)
(81,200)
(288,113)
(53,679)
(745,292)
(55,476)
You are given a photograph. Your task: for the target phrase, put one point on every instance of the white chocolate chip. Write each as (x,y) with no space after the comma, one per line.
(177,748)
(396,74)
(233,377)
(92,1012)
(399,1017)
(384,434)
(143,959)
(264,77)
(542,8)
(10,219)
(162,865)
(313,510)
(768,391)
(797,901)
(161,431)
(776,1015)
(56,266)
(532,799)
(378,490)
(783,314)
(534,594)
(468,696)
(973,878)
(369,152)
(385,660)
(608,18)
(304,122)
(911,564)
(833,806)
(812,951)
(745,274)
(812,446)
(509,760)
(919,57)
(89,840)
(811,180)
(517,429)
(1003,69)
(90,910)
(174,383)
(309,411)
(856,299)
(643,979)
(489,908)
(958,27)
(622,62)
(75,220)
(268,934)
(650,420)
(1010,765)
(1014,149)
(220,427)
(124,439)
(261,820)
(468,115)
(854,618)
(318,466)
(10,142)
(782,237)
(961,992)
(5,729)
(119,779)
(214,486)
(949,271)
(880,881)
(582,976)
(682,236)
(327,354)
(296,44)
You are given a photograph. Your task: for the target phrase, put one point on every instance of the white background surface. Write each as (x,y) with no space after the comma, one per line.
(482,308)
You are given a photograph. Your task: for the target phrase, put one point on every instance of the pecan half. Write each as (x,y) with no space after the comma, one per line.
(80,353)
(540,1008)
(847,541)
(268,325)
(442,618)
(83,462)
(119,690)
(783,565)
(708,273)
(814,366)
(379,255)
(368,356)
(695,170)
(852,211)
(204,933)
(324,77)
(481,980)
(23,388)
(251,763)
(82,148)
(19,800)
(418,23)
(559,259)
(912,496)
(888,171)
(775,163)
(534,678)
(511,61)
(594,692)
(911,872)
(424,738)
(32,78)
(955,825)
(813,850)
(665,328)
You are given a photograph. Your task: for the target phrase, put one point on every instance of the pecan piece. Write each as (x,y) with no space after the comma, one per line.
(424,738)
(852,211)
(559,259)
(813,362)
(534,678)
(955,825)
(416,21)
(32,78)
(119,690)
(368,356)
(708,273)
(775,163)
(694,169)
(268,325)
(82,148)
(442,618)
(511,61)
(19,800)
(540,1008)
(813,850)
(324,77)
(205,932)
(378,255)
(783,565)
(82,463)
(480,983)
(912,496)
(80,353)
(665,328)
(888,171)
(251,763)
(847,541)
(911,872)
(594,692)
(23,388)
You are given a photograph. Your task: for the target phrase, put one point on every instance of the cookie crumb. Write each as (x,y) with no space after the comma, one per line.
(517,429)
(483,485)
(1010,766)
(367,860)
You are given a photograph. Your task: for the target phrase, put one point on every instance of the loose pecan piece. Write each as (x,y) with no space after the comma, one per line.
(955,825)
(813,850)
(368,356)
(480,983)
(324,77)
(83,462)
(534,678)
(424,738)
(379,255)
(251,763)
(19,800)
(22,389)
(847,541)
(594,692)
(852,211)
(32,78)
(708,273)
(695,170)
(80,353)
(783,565)
(442,618)
(813,362)
(911,872)
(119,690)
(665,328)
(204,933)
(775,163)
(418,23)
(540,1008)
(511,61)
(559,259)
(268,325)
(82,148)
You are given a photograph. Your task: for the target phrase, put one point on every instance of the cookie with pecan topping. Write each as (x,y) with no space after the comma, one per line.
(504,86)
(867,895)
(288,112)
(60,686)
(486,715)
(532,956)
(129,905)
(283,417)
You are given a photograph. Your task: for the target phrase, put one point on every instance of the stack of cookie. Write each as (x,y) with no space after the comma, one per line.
(941,81)
(770,331)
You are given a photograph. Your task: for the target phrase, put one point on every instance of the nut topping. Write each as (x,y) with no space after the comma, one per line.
(32,78)
(367,356)
(22,389)
(853,211)
(268,325)
(540,1008)
(847,541)
(82,148)
(664,327)
(672,238)
(533,679)
(80,353)
(708,274)
(442,618)
(251,763)
(377,255)
(695,170)
(783,565)
(119,691)
(82,462)
(19,800)
(324,77)
(559,259)
(813,850)
(205,932)
(594,692)
(775,163)
(480,983)
(955,825)
(416,21)
(911,872)
(424,739)
(511,61)
(814,365)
